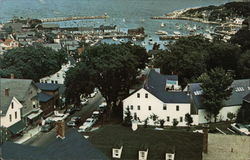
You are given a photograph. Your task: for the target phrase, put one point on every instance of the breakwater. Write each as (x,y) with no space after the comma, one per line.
(73,18)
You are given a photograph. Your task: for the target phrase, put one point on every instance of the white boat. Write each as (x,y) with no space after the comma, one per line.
(165,43)
(162,24)
(143,43)
(122,40)
(161,32)
(124,20)
(150,41)
(177,33)
(115,39)
(133,39)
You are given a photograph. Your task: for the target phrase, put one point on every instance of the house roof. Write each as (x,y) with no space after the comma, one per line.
(187,145)
(5,103)
(54,46)
(74,147)
(241,88)
(18,87)
(156,83)
(48,86)
(247,98)
(43,97)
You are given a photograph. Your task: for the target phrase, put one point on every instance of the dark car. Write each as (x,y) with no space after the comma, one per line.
(48,126)
(71,110)
(74,121)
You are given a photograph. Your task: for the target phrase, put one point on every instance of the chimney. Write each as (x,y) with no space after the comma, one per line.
(60,129)
(12,76)
(7,92)
(205,138)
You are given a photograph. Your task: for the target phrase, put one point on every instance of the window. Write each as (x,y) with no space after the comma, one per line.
(12,105)
(142,154)
(168,119)
(131,107)
(56,82)
(149,108)
(146,95)
(181,119)
(10,117)
(177,108)
(52,81)
(138,95)
(58,75)
(164,107)
(15,115)
(34,106)
(138,107)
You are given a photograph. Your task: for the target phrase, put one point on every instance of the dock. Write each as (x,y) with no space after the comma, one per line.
(185,18)
(172,37)
(141,37)
(58,19)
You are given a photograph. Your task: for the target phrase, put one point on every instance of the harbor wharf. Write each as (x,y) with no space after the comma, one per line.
(185,18)
(57,19)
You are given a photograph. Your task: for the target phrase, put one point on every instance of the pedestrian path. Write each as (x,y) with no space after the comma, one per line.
(29,134)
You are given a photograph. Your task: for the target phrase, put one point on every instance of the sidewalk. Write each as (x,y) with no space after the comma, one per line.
(29,134)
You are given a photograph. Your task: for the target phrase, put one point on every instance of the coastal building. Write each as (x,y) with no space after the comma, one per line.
(10,113)
(59,77)
(159,99)
(241,88)
(48,98)
(8,44)
(25,91)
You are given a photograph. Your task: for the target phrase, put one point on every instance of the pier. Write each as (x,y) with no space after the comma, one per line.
(58,19)
(185,18)
(172,37)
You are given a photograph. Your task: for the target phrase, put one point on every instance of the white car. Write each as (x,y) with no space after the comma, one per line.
(84,101)
(95,115)
(87,124)
(240,128)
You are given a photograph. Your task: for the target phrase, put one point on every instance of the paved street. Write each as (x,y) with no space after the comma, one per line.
(42,139)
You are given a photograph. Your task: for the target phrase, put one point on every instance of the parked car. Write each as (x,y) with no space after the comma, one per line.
(48,126)
(240,128)
(71,110)
(102,107)
(87,124)
(93,94)
(84,101)
(95,115)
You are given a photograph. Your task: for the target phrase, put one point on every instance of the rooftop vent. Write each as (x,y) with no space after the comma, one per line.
(197,93)
(239,89)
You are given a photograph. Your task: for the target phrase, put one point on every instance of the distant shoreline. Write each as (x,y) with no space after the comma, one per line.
(177,14)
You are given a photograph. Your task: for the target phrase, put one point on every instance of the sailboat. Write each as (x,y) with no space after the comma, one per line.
(124,20)
(162,24)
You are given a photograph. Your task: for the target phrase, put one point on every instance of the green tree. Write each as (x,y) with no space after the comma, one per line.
(175,122)
(188,119)
(223,55)
(111,68)
(183,58)
(32,62)
(243,70)
(128,118)
(230,116)
(242,38)
(216,89)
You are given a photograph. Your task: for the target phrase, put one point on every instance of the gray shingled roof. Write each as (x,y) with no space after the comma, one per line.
(5,103)
(48,86)
(156,84)
(42,97)
(247,98)
(73,147)
(17,89)
(240,90)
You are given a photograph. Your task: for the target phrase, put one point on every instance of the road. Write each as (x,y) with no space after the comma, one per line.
(44,138)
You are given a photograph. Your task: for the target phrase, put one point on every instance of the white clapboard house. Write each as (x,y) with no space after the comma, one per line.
(160,98)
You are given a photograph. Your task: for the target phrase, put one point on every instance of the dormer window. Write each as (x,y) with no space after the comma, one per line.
(138,95)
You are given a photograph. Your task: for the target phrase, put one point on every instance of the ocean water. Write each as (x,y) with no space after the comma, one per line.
(123,13)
